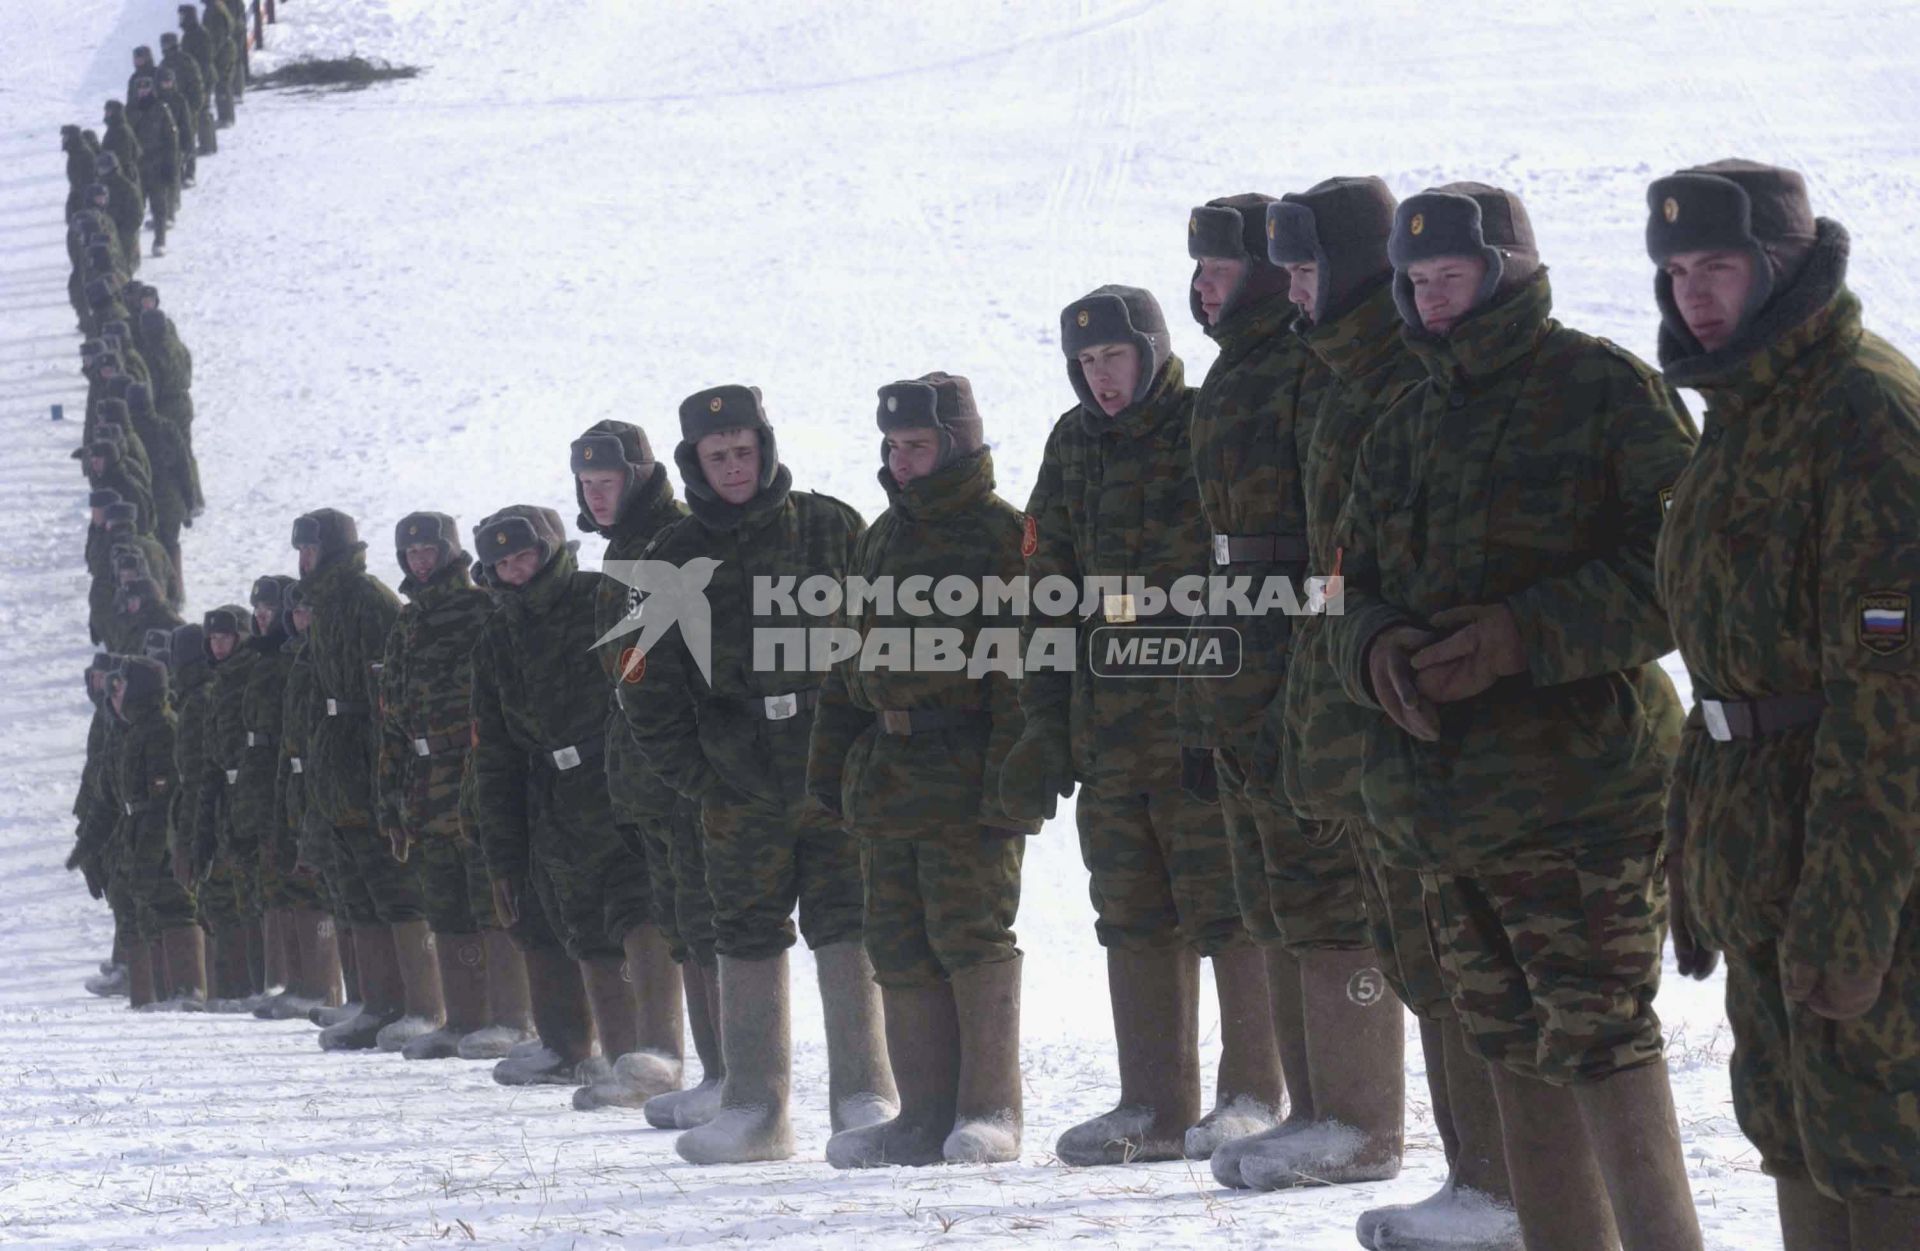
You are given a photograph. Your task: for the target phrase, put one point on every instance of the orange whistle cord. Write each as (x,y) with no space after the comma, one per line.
(1339,554)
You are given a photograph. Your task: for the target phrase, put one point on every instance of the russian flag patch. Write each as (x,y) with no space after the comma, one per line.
(1885,622)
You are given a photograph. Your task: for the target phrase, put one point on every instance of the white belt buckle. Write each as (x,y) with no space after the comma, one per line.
(253,740)
(128,805)
(1316,594)
(567,758)
(333,708)
(420,747)
(233,775)
(293,765)
(1222,549)
(781,707)
(1715,715)
(1118,609)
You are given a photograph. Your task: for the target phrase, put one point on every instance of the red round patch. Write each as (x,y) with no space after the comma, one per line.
(1030,538)
(633,665)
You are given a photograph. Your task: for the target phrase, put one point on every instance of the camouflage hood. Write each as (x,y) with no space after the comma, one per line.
(1819,282)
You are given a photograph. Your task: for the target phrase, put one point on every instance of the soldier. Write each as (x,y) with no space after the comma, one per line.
(198,47)
(290,859)
(909,760)
(115,192)
(1788,571)
(197,138)
(167,87)
(91,853)
(732,736)
(170,365)
(141,782)
(232,634)
(1295,878)
(118,138)
(80,165)
(426,695)
(122,530)
(386,907)
(107,470)
(216,24)
(1332,239)
(1500,614)
(1116,496)
(138,606)
(159,158)
(542,800)
(625,495)
(175,478)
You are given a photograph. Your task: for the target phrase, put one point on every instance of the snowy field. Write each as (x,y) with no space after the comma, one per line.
(414,296)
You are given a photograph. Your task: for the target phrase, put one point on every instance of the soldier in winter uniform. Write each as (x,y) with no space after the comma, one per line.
(141,783)
(80,165)
(1296,880)
(115,193)
(198,46)
(231,906)
(627,496)
(353,612)
(118,138)
(1500,615)
(546,818)
(732,735)
(1332,239)
(426,680)
(1788,568)
(1116,498)
(153,126)
(301,884)
(909,759)
(92,844)
(197,138)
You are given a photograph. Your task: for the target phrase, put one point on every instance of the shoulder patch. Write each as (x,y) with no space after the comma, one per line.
(1886,622)
(633,666)
(1029,535)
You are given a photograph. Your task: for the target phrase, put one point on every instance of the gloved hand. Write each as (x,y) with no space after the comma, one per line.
(96,880)
(1484,647)
(506,902)
(1390,670)
(1692,954)
(397,839)
(73,859)
(1834,995)
(1036,773)
(1198,777)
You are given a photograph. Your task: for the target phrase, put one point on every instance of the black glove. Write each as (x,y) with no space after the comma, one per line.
(1197,776)
(96,880)
(1036,774)
(1692,955)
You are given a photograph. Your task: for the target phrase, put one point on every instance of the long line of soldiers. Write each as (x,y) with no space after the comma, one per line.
(1472,792)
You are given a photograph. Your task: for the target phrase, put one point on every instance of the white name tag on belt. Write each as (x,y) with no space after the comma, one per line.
(1222,549)
(233,775)
(1118,609)
(565,758)
(256,740)
(333,708)
(781,707)
(293,765)
(1715,715)
(420,747)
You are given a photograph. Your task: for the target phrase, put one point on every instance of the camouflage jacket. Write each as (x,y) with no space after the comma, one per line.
(159,140)
(537,689)
(1323,734)
(226,744)
(253,796)
(1115,498)
(119,139)
(1528,469)
(1245,434)
(187,76)
(637,793)
(944,782)
(126,630)
(140,785)
(169,363)
(217,23)
(426,698)
(300,711)
(697,733)
(1790,567)
(190,834)
(352,613)
(91,805)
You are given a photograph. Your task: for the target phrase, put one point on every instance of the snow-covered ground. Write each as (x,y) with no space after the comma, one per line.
(413,296)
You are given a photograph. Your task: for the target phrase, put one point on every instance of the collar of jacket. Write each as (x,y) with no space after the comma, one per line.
(335,572)
(190,677)
(944,492)
(1816,307)
(1489,339)
(451,578)
(538,597)
(268,643)
(136,710)
(1362,339)
(720,516)
(1245,329)
(1157,416)
(644,513)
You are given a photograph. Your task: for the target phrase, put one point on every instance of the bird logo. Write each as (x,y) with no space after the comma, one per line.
(669,595)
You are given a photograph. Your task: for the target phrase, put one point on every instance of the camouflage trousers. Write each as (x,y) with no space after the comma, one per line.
(1552,965)
(677,878)
(533,929)
(159,903)
(375,888)
(1295,879)
(768,851)
(458,898)
(1837,1101)
(937,906)
(585,864)
(222,905)
(1161,871)
(282,885)
(1397,922)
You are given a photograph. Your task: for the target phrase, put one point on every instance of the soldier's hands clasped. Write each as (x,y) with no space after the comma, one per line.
(1037,772)
(1835,995)
(1484,647)
(1390,669)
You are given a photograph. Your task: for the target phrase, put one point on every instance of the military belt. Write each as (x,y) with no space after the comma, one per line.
(294,765)
(1730,719)
(780,707)
(346,708)
(233,775)
(565,758)
(135,807)
(922,720)
(1249,549)
(440,744)
(259,738)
